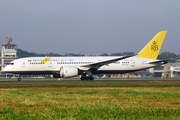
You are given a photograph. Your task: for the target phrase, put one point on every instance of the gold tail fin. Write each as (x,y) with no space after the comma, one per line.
(152,49)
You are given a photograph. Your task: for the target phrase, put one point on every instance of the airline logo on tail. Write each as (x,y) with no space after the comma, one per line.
(152,49)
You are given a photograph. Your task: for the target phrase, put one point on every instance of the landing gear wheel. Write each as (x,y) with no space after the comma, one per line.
(91,78)
(87,78)
(19,79)
(82,78)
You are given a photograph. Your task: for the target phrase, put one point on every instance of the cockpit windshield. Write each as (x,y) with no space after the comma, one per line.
(11,63)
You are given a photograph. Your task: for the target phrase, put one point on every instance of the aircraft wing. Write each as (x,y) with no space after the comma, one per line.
(101,63)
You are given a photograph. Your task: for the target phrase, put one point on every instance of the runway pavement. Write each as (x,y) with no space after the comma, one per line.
(77,80)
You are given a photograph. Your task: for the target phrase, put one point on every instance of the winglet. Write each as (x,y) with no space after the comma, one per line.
(152,49)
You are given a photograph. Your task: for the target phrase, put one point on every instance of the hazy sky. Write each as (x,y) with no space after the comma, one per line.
(89,27)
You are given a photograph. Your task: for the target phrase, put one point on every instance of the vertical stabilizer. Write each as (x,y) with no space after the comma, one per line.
(152,49)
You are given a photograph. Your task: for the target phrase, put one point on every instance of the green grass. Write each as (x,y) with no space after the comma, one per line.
(119,84)
(150,100)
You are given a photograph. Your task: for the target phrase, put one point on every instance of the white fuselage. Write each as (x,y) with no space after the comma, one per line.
(34,65)
(87,66)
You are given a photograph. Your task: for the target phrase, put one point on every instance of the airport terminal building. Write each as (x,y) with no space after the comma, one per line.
(167,70)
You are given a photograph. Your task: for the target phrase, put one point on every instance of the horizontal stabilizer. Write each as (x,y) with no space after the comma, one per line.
(159,61)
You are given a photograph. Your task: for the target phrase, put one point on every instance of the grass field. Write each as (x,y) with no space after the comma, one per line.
(108,100)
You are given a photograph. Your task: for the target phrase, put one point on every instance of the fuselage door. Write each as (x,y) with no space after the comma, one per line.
(22,63)
(132,63)
(49,63)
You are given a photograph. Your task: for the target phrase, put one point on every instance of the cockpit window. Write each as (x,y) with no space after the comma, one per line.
(11,63)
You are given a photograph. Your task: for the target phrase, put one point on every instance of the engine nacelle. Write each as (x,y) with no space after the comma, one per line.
(68,71)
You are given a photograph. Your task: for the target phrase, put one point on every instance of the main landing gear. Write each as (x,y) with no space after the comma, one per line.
(87,78)
(87,75)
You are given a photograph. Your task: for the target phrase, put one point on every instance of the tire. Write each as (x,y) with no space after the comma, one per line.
(19,79)
(91,78)
(87,78)
(82,78)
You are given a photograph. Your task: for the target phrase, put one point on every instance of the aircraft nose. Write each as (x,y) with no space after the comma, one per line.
(6,69)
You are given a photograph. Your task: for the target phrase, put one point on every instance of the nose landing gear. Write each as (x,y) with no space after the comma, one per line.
(19,78)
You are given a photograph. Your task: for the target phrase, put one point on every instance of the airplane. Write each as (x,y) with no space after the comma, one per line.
(63,67)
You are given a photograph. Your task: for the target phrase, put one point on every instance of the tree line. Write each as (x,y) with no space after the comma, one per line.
(163,55)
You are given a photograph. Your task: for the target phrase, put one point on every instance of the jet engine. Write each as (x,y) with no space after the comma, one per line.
(68,71)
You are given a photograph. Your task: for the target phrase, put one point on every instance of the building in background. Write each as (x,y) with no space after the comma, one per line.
(167,70)
(8,53)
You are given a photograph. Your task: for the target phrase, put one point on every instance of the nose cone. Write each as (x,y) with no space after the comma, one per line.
(6,69)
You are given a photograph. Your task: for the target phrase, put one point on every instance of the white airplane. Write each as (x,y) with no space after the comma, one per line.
(63,67)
